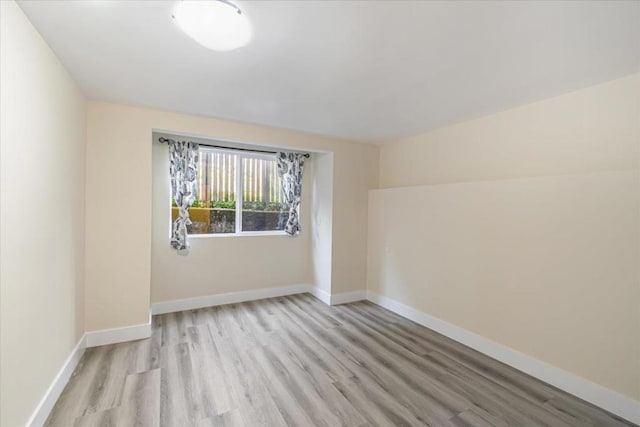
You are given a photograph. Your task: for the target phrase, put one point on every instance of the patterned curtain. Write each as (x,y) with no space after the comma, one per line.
(290,166)
(184,174)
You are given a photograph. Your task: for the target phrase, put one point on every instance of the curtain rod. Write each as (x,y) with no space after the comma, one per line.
(161,140)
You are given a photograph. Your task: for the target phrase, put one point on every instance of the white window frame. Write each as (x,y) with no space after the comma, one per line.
(239,194)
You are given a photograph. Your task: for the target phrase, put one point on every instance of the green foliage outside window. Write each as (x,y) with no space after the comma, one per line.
(231,204)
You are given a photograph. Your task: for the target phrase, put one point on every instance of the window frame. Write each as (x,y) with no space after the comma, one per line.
(239,155)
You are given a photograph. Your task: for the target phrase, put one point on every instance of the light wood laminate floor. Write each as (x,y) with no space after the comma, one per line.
(293,361)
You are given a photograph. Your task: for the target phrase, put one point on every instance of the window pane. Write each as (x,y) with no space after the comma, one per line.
(214,211)
(263,205)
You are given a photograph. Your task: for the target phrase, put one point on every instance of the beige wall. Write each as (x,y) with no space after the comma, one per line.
(222,264)
(354,168)
(593,129)
(119,204)
(531,236)
(547,266)
(42,115)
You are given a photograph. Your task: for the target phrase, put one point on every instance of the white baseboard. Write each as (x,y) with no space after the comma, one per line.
(228,298)
(50,397)
(323,296)
(117,335)
(598,395)
(347,297)
(237,297)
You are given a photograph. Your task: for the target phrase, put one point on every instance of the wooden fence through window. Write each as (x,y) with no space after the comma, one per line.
(217,176)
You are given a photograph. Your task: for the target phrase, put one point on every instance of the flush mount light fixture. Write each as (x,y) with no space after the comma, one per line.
(215,24)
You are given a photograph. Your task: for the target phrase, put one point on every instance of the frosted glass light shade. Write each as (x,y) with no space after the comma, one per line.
(214,24)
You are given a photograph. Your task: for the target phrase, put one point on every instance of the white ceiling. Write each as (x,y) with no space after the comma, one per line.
(362,70)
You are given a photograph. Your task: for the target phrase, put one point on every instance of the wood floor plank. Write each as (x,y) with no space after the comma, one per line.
(294,361)
(302,397)
(374,406)
(106,418)
(177,388)
(140,404)
(317,386)
(580,413)
(227,419)
(141,399)
(497,400)
(211,393)
(405,383)
(101,386)
(355,315)
(250,393)
(386,376)
(471,418)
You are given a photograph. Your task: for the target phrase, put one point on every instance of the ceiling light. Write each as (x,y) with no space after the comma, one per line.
(215,24)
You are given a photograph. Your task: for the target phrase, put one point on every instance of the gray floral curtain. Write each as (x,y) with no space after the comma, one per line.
(184,173)
(290,166)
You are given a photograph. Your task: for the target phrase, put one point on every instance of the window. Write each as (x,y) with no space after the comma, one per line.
(224,177)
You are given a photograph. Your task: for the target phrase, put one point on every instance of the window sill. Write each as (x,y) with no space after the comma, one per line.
(242,234)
